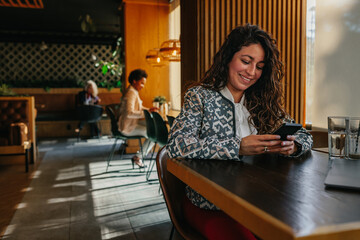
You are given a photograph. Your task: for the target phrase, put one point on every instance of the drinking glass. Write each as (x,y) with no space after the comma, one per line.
(353,135)
(337,136)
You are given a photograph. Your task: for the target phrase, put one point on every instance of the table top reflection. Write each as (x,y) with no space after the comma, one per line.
(276,197)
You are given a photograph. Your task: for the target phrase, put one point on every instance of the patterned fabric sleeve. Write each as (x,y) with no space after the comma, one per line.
(184,137)
(303,140)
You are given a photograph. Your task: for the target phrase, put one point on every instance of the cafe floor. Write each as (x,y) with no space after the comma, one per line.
(71,196)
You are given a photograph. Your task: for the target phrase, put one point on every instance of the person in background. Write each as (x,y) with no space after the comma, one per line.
(131,120)
(231,113)
(89,96)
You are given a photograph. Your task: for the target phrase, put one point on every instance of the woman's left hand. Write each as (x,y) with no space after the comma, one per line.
(287,147)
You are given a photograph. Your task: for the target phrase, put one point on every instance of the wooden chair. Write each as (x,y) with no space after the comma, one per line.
(17,128)
(174,191)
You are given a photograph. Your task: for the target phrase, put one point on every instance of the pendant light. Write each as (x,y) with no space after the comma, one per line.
(153,56)
(170,49)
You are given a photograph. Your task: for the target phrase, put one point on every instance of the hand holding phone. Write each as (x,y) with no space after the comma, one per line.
(287,129)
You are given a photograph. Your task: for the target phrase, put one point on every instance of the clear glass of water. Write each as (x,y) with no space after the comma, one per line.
(337,137)
(353,138)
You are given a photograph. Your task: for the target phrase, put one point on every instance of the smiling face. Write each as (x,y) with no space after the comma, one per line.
(138,85)
(245,69)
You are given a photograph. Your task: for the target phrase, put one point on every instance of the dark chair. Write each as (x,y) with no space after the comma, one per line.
(161,132)
(174,191)
(89,114)
(160,129)
(113,112)
(151,135)
(170,120)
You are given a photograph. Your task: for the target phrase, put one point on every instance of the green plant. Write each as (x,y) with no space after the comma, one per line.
(6,91)
(114,67)
(160,99)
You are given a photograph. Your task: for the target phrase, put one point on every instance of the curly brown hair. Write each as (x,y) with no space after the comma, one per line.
(264,99)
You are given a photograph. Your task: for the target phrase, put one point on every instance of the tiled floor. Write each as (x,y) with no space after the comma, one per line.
(73,197)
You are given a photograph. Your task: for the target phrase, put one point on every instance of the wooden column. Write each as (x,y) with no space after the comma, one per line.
(189,44)
(146,27)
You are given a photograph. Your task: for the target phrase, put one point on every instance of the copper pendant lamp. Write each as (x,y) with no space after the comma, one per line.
(171,50)
(154,58)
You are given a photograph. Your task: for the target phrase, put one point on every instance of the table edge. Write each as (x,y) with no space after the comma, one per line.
(272,227)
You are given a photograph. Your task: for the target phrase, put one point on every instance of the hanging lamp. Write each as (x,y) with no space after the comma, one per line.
(154,58)
(171,50)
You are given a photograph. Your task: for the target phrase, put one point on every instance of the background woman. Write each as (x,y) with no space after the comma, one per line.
(231,113)
(89,96)
(131,120)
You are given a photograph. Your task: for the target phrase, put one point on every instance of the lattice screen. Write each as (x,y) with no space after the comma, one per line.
(26,62)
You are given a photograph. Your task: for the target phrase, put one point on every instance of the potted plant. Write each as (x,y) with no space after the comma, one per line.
(160,102)
(160,99)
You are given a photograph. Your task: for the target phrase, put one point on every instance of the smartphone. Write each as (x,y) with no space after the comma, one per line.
(287,129)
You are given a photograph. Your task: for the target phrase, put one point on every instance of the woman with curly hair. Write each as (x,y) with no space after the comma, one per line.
(231,113)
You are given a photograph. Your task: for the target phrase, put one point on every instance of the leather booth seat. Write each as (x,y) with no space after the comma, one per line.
(13,122)
(17,127)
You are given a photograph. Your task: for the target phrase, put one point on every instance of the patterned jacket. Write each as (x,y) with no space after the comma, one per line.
(205,129)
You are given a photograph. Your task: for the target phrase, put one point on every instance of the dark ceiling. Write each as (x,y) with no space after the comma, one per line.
(59,21)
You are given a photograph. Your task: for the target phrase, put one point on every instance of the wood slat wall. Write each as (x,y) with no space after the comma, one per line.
(284,19)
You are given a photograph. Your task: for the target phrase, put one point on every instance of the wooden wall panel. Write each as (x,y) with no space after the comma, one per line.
(146,27)
(189,43)
(283,19)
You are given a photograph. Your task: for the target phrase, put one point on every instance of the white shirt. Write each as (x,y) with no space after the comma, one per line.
(242,125)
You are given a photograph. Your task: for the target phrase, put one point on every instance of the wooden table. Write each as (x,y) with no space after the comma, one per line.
(323,149)
(276,197)
(171,112)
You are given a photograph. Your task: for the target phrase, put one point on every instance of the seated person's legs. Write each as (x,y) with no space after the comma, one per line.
(140,130)
(95,131)
(80,126)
